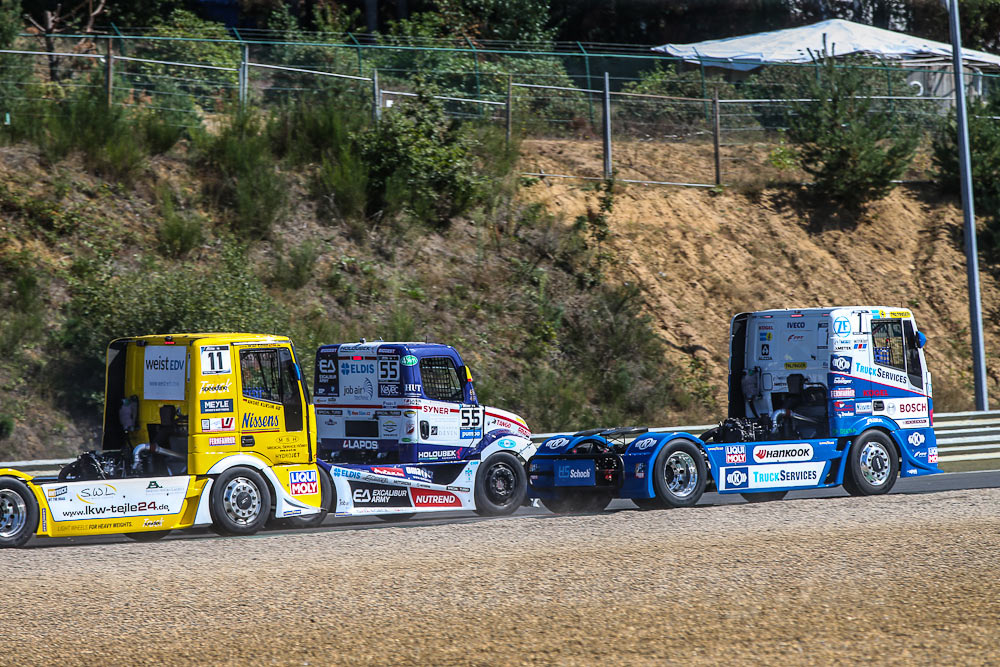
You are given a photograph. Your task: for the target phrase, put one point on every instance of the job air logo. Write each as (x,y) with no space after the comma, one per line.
(645,443)
(916,439)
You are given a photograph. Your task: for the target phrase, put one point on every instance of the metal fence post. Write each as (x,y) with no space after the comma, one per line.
(244,75)
(590,82)
(716,132)
(376,97)
(510,105)
(607,126)
(109,71)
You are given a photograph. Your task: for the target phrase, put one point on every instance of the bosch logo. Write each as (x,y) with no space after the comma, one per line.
(916,439)
(842,364)
(736,478)
(645,443)
(911,407)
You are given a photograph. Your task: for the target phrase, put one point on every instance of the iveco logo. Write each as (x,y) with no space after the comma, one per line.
(736,478)
(916,439)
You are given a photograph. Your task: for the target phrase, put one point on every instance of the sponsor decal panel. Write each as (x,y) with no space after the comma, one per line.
(303,482)
(222,441)
(216,405)
(215,360)
(435,454)
(790,452)
(643,444)
(252,422)
(121,498)
(213,387)
(218,424)
(863,407)
(932,454)
(772,476)
(431,498)
(556,443)
(736,454)
(841,393)
(575,473)
(367,494)
(840,363)
(163,372)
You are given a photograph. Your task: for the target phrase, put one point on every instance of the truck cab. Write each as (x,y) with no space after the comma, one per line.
(818,397)
(385,402)
(199,429)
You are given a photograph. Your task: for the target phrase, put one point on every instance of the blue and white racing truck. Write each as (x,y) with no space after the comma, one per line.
(401,431)
(818,397)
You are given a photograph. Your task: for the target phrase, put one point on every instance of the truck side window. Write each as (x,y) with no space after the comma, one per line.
(290,398)
(440,379)
(887,344)
(261,375)
(914,369)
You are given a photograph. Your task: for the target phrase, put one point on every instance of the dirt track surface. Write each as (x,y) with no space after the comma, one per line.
(894,579)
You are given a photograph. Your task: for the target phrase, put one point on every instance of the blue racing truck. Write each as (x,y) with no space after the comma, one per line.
(818,397)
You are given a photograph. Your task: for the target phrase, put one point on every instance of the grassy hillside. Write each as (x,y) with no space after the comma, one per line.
(311,224)
(575,305)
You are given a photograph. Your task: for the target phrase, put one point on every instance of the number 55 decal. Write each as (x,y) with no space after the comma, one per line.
(472,417)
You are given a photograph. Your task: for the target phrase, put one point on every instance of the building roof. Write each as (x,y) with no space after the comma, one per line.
(800,45)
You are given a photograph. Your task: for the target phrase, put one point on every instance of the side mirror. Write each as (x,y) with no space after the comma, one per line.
(921,340)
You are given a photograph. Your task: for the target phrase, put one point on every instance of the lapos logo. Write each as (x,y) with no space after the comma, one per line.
(736,478)
(916,439)
(769,453)
(645,443)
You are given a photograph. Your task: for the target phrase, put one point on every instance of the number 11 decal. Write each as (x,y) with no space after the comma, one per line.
(215,360)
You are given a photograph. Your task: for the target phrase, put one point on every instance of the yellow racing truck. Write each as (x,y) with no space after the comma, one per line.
(199,430)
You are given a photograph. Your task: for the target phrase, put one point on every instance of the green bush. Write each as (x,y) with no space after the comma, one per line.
(21,301)
(107,303)
(984,155)
(418,160)
(6,426)
(853,151)
(296,270)
(247,180)
(179,233)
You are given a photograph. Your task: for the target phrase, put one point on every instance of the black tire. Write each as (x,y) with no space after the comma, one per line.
(764,496)
(648,503)
(577,502)
(240,502)
(148,535)
(18,513)
(848,484)
(328,499)
(873,464)
(681,483)
(501,485)
(397,517)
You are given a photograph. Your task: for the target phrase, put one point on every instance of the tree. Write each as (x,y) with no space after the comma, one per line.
(51,18)
(853,151)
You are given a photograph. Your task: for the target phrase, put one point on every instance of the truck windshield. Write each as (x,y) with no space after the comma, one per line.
(440,379)
(887,344)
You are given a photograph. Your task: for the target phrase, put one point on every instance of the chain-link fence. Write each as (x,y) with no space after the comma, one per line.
(589,109)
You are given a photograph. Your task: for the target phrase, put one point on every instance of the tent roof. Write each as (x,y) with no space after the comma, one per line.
(793,45)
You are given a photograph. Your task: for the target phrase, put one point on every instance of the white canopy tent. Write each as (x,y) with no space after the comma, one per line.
(800,45)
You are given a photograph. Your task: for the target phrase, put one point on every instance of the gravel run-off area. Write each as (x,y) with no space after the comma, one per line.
(909,579)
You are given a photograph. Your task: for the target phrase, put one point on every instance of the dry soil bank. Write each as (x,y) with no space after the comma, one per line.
(896,579)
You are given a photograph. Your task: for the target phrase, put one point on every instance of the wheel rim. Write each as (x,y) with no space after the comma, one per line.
(241,501)
(875,463)
(680,474)
(13,513)
(501,481)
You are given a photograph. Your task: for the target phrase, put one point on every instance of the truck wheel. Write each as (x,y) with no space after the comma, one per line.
(240,502)
(873,464)
(327,500)
(577,502)
(763,497)
(18,513)
(679,474)
(148,535)
(501,485)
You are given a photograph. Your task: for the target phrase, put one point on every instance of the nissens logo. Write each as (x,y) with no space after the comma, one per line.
(252,421)
(771,453)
